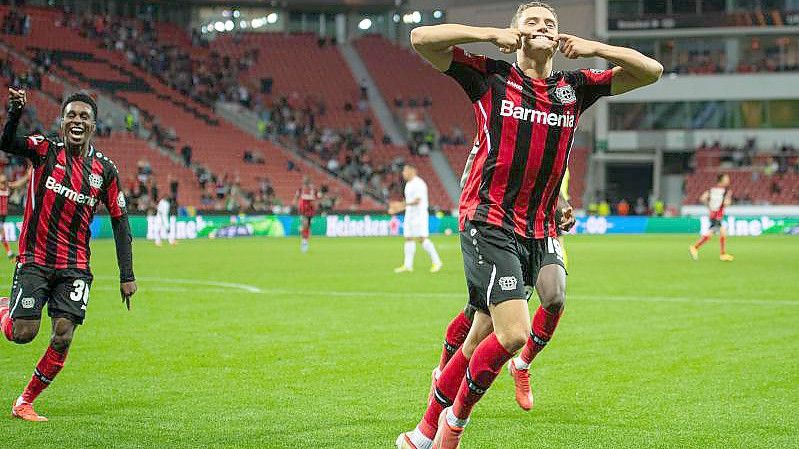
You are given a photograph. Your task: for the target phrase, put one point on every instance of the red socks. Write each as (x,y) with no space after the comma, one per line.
(48,367)
(456,334)
(723,240)
(544,324)
(485,365)
(305,233)
(446,388)
(6,323)
(702,241)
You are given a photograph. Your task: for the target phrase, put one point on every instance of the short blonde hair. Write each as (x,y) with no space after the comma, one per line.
(514,22)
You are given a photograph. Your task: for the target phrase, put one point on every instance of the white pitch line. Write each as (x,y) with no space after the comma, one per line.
(443,295)
(363,293)
(245,287)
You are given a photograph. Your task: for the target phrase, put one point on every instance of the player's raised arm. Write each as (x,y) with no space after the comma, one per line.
(434,43)
(114,200)
(633,69)
(9,142)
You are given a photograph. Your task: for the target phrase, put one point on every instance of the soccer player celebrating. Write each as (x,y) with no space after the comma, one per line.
(416,227)
(526,114)
(305,199)
(6,187)
(70,178)
(716,199)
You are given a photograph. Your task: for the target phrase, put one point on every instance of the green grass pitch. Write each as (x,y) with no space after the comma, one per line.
(250,344)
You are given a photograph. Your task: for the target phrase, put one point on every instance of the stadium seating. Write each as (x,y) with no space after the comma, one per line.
(216,143)
(285,59)
(748,183)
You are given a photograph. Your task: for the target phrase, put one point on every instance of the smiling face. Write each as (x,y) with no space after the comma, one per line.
(543,24)
(77,124)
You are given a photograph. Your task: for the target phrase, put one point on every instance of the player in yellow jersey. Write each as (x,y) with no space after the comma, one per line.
(564,195)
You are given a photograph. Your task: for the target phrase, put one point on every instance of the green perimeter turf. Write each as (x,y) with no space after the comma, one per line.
(335,350)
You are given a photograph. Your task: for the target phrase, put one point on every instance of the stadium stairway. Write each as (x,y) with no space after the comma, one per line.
(409,77)
(376,100)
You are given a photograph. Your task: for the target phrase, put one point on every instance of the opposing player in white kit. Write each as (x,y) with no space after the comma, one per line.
(416,226)
(165,222)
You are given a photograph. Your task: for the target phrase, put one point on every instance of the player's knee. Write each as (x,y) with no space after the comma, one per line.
(24,334)
(553,299)
(514,340)
(61,342)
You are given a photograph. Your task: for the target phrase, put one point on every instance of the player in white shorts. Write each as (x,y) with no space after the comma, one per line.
(416,226)
(165,222)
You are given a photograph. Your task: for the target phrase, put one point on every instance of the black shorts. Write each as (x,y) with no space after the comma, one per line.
(2,218)
(501,265)
(66,292)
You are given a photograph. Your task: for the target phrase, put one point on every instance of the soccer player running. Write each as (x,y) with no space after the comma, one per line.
(526,114)
(305,199)
(6,187)
(416,227)
(716,199)
(70,178)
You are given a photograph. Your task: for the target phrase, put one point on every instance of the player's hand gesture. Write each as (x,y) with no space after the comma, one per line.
(508,39)
(127,289)
(17,98)
(574,47)
(567,219)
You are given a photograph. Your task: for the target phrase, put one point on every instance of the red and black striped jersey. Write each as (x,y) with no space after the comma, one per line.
(525,130)
(306,195)
(65,191)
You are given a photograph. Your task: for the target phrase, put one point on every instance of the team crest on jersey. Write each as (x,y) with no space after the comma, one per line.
(565,95)
(121,200)
(95,180)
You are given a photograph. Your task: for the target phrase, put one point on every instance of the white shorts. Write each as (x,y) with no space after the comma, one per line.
(416,226)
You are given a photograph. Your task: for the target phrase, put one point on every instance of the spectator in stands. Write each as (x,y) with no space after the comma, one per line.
(358,188)
(185,153)
(15,22)
(174,184)
(144,171)
(659,208)
(640,207)
(623,207)
(771,167)
(603,208)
